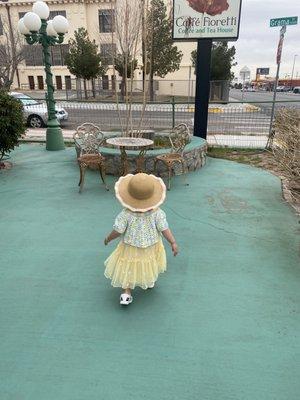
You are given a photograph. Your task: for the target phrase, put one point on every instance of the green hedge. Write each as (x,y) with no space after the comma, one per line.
(12,124)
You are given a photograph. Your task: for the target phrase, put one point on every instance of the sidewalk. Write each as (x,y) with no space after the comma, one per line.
(222,324)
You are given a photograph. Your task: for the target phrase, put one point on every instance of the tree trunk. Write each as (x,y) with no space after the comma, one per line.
(123,83)
(151,86)
(143,43)
(85,89)
(13,48)
(93,88)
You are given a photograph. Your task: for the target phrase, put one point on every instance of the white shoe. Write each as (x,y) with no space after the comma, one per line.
(125,299)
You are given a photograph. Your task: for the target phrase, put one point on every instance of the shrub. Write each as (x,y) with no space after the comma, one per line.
(286,147)
(12,125)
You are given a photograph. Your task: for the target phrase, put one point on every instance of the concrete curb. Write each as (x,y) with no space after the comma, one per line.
(239,108)
(218,140)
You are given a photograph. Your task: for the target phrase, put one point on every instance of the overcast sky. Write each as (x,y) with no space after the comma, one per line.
(257,43)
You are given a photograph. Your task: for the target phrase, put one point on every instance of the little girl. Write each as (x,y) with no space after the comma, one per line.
(140,256)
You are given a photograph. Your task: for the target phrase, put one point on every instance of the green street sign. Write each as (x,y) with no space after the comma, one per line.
(283,21)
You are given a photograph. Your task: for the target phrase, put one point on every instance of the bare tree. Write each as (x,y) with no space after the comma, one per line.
(11,53)
(129,49)
(127,36)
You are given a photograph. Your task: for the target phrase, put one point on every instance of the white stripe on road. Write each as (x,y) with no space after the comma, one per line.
(155,107)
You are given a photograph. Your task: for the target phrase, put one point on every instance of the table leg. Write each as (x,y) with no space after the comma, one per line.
(140,161)
(124,161)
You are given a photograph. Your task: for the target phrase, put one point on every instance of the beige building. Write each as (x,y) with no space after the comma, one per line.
(96,17)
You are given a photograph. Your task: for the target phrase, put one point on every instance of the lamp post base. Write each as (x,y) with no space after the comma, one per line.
(54,136)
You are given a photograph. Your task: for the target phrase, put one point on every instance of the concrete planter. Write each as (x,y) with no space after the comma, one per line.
(194,155)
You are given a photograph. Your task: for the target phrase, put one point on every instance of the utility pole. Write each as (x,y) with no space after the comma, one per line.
(292,76)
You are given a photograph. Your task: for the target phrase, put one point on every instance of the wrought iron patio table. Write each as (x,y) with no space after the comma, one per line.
(131,143)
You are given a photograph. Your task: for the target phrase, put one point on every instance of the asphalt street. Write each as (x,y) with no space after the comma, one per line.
(223,123)
(233,119)
(264,99)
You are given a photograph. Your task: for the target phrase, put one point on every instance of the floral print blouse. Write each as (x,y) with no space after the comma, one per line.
(141,229)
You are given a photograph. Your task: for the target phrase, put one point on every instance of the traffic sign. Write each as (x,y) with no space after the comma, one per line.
(280,44)
(283,21)
(279,50)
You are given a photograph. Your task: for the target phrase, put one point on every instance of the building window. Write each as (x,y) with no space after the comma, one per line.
(108,49)
(113,82)
(64,52)
(1,26)
(55,13)
(58,54)
(31,82)
(51,15)
(106,21)
(40,80)
(34,55)
(68,82)
(58,81)
(105,82)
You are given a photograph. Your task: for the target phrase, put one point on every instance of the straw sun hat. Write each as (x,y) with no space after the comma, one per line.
(140,192)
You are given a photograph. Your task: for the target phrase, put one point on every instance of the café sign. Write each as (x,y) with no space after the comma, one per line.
(206,19)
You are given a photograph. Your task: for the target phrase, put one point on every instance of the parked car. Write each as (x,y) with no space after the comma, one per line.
(283,89)
(248,89)
(35,112)
(296,89)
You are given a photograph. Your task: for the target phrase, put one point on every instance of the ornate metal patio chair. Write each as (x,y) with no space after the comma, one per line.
(179,138)
(88,138)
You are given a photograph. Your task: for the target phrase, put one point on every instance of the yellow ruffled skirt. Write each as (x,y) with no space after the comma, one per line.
(130,266)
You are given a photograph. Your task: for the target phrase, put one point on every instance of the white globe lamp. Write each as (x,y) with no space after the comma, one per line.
(41,9)
(50,30)
(60,24)
(32,21)
(22,28)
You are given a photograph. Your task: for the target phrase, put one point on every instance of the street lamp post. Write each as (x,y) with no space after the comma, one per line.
(37,29)
(292,76)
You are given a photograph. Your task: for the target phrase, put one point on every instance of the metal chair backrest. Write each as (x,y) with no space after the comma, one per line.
(88,138)
(179,138)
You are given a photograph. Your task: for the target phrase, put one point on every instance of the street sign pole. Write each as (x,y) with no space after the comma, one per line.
(283,22)
(278,59)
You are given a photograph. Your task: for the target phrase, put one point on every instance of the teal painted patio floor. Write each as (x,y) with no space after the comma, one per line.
(222,324)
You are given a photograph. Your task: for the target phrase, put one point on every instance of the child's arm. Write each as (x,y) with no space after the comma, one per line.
(112,236)
(170,238)
(119,227)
